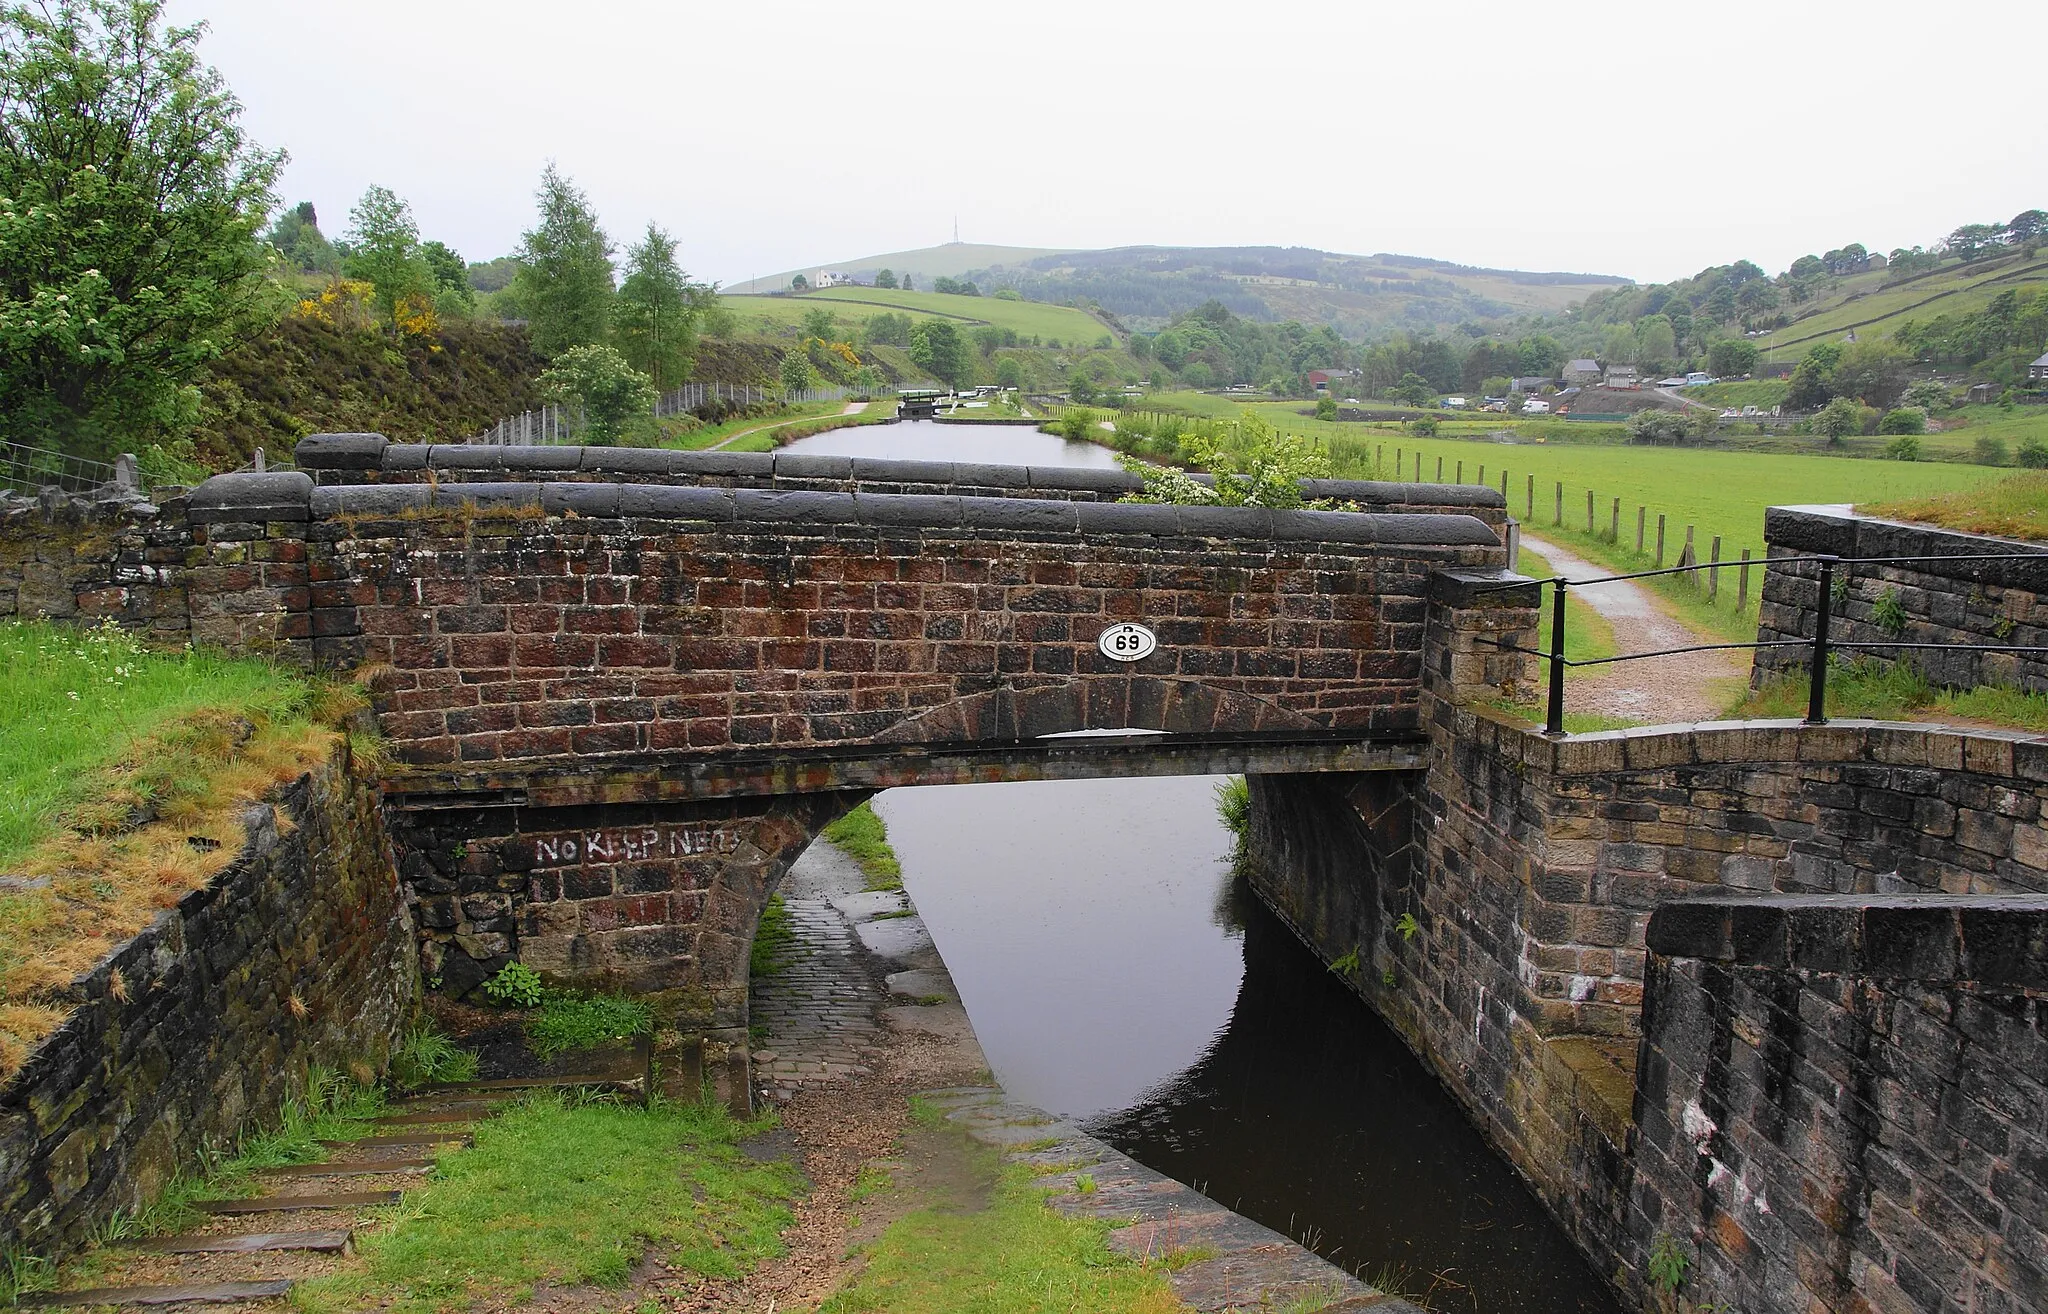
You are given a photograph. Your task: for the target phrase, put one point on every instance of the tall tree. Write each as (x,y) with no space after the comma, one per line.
(655,317)
(384,250)
(298,238)
(938,346)
(130,201)
(565,270)
(452,290)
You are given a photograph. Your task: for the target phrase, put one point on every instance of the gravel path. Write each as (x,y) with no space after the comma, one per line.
(1695,686)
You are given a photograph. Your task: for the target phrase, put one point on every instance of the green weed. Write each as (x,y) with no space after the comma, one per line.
(426,1056)
(774,941)
(1870,689)
(569,1021)
(865,839)
(516,986)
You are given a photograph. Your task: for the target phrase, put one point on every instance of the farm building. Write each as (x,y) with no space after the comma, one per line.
(1582,371)
(2038,371)
(1321,380)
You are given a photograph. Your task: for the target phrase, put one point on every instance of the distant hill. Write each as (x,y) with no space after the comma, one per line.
(1878,303)
(1144,286)
(948,261)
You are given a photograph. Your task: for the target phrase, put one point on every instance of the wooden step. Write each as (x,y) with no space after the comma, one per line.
(211,1292)
(425,1119)
(403,1138)
(239,1243)
(355,1168)
(264,1204)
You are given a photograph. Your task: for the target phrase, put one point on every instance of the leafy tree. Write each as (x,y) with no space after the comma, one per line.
(1905,447)
(298,238)
(1720,305)
(797,373)
(1656,343)
(1729,357)
(493,275)
(655,315)
(1198,375)
(907,285)
(1658,426)
(1973,242)
(818,324)
(888,327)
(1326,407)
(1541,355)
(937,346)
(1838,419)
(1081,389)
(1988,450)
(1906,419)
(1929,396)
(2032,453)
(130,201)
(1618,345)
(1413,389)
(1872,371)
(452,292)
(565,270)
(384,250)
(800,283)
(2026,227)
(612,393)
(1009,373)
(886,278)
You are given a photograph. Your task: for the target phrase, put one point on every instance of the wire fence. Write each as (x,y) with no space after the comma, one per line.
(1820,645)
(26,469)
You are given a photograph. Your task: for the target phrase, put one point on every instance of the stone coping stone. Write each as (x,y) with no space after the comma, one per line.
(375,452)
(292,496)
(1246,1265)
(1844,532)
(1997,942)
(2019,754)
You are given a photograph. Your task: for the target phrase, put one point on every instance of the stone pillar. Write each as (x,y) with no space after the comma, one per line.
(247,587)
(658,901)
(1479,637)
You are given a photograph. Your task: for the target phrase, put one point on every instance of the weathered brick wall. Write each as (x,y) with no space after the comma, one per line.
(89,560)
(298,955)
(1844,1102)
(522,621)
(1965,606)
(368,458)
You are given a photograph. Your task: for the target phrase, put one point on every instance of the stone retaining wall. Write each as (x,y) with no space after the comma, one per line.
(369,458)
(118,558)
(298,955)
(1965,606)
(1843,1101)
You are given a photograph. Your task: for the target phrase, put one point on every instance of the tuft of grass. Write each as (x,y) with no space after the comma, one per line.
(2013,507)
(1897,691)
(124,776)
(774,941)
(1014,1255)
(569,1021)
(569,1194)
(425,1055)
(866,840)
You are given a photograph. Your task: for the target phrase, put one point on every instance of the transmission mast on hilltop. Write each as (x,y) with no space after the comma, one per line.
(956,230)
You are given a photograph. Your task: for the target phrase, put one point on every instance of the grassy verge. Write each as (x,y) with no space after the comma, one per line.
(2013,507)
(774,940)
(680,437)
(568,1195)
(122,776)
(1013,1255)
(866,840)
(1869,689)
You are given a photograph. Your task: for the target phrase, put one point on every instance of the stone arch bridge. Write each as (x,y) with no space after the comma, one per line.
(625,689)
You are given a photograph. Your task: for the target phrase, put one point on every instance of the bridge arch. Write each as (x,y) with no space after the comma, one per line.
(1096,702)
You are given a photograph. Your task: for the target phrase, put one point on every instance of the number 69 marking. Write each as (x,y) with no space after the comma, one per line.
(1127,642)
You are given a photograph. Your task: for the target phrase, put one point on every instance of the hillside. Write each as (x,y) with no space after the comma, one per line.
(948,261)
(1874,304)
(310,376)
(854,304)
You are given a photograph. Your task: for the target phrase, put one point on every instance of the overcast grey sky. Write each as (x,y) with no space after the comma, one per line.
(1644,139)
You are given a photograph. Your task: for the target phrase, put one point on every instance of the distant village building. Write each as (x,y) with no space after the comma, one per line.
(1622,377)
(1321,380)
(2038,371)
(833,278)
(1531,384)
(1582,371)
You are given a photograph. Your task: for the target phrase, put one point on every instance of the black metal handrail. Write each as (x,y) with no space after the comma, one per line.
(1819,644)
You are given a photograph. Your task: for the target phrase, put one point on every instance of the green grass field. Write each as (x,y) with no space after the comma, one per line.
(1864,299)
(853,304)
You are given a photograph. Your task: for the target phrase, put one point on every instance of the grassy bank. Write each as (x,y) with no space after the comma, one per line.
(2012,507)
(864,837)
(561,1194)
(111,757)
(1896,692)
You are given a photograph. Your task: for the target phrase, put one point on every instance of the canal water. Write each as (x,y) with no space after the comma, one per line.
(1119,975)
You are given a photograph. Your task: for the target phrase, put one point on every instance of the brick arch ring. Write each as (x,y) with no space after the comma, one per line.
(1095,702)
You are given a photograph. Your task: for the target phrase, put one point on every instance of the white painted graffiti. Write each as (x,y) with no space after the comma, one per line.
(634,844)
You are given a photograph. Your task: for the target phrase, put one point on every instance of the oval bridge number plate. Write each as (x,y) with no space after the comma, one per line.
(1126,642)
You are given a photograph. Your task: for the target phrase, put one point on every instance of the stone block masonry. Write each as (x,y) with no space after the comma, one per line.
(299,955)
(1966,607)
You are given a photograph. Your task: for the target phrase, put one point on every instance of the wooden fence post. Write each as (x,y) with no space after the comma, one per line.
(1641,511)
(1558,518)
(1614,526)
(1589,513)
(1461,472)
(1397,463)
(1530,512)
(1482,473)
(1503,487)
(1660,541)
(1714,569)
(1742,583)
(1439,469)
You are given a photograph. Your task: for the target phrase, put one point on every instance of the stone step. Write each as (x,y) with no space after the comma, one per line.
(525,1083)
(425,1119)
(240,1243)
(208,1292)
(403,1138)
(358,1168)
(265,1204)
